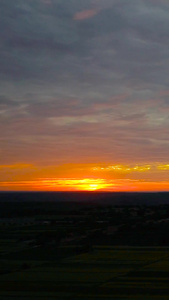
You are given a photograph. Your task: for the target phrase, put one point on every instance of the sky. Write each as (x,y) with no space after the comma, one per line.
(84,95)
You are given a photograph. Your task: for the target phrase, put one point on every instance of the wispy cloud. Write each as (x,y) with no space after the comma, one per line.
(16,166)
(85,14)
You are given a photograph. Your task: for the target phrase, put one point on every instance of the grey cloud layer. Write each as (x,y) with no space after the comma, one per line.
(99,79)
(38,38)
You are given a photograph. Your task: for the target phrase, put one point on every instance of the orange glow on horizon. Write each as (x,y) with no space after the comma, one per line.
(85,177)
(86,184)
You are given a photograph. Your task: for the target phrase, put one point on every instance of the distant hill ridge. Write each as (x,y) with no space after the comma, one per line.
(101,198)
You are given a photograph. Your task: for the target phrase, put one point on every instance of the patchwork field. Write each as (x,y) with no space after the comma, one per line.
(104,273)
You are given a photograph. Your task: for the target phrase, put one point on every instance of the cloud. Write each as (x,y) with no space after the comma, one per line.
(88,76)
(85,14)
(15,166)
(5,101)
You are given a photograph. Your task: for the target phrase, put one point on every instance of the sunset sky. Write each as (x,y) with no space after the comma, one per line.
(84,95)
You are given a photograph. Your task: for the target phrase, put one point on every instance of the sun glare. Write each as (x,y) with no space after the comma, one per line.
(89,184)
(85,184)
(93,187)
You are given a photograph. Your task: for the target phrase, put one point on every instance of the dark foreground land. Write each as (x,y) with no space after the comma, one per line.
(84,249)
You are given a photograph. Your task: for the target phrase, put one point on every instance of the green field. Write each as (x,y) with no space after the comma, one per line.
(104,273)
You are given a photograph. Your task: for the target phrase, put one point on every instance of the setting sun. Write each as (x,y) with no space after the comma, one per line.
(88,184)
(85,184)
(91,184)
(93,187)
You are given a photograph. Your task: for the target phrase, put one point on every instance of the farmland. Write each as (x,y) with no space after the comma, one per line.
(123,273)
(91,252)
